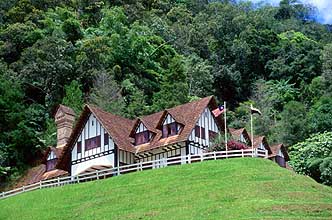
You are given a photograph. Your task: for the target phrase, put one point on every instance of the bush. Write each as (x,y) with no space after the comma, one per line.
(313,157)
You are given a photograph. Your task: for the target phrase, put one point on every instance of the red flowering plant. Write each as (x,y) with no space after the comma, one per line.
(236,145)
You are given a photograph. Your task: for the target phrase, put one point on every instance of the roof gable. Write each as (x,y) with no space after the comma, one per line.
(275,150)
(261,139)
(140,126)
(236,133)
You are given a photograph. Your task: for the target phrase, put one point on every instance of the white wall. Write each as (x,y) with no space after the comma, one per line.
(140,128)
(91,129)
(208,122)
(281,154)
(159,154)
(168,120)
(51,155)
(104,160)
(261,146)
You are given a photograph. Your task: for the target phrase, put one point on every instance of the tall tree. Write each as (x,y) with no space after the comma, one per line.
(292,126)
(326,57)
(74,97)
(106,94)
(174,87)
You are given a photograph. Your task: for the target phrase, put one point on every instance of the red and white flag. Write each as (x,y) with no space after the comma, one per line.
(218,111)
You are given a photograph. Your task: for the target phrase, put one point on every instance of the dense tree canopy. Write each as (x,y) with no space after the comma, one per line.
(138,57)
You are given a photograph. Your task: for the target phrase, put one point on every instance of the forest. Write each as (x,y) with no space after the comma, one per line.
(137,57)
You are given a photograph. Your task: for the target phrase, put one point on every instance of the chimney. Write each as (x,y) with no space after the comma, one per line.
(64,120)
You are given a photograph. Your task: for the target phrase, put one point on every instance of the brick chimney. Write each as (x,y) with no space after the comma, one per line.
(64,119)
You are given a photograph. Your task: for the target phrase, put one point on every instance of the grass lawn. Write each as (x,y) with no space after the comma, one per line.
(243,188)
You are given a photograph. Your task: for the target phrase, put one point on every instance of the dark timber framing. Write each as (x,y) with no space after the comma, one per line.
(93,156)
(166,149)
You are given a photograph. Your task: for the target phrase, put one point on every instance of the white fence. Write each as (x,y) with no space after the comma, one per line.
(102,174)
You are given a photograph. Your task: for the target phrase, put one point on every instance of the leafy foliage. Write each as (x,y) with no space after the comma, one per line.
(313,157)
(138,57)
(74,97)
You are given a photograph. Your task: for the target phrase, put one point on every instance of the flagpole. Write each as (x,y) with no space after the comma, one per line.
(252,131)
(225,126)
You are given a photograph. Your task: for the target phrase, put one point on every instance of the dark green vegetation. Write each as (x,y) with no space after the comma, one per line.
(313,157)
(137,57)
(243,188)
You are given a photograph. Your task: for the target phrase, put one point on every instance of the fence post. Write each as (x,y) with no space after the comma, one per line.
(2,194)
(58,181)
(140,166)
(97,173)
(40,184)
(23,188)
(242,152)
(215,155)
(266,154)
(201,156)
(78,179)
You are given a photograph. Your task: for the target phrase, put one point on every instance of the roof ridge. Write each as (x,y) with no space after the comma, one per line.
(91,106)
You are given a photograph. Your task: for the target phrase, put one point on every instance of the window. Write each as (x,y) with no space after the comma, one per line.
(92,143)
(170,129)
(106,139)
(142,137)
(200,132)
(50,164)
(79,147)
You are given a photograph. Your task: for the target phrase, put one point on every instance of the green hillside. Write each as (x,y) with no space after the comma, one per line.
(243,188)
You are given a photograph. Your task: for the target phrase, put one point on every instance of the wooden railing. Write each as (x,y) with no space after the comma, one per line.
(105,173)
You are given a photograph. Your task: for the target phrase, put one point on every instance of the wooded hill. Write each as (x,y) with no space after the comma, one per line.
(137,57)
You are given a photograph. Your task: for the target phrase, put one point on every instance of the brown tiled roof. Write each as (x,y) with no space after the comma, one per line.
(54,174)
(120,128)
(236,133)
(261,139)
(275,149)
(32,175)
(186,114)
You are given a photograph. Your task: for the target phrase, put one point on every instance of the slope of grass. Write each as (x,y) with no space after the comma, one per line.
(243,188)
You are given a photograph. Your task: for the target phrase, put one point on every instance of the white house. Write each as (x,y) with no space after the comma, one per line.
(100,139)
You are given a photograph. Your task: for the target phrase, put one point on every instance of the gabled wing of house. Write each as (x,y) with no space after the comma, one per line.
(279,154)
(241,135)
(261,142)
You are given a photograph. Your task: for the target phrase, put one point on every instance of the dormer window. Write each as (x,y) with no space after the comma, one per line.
(170,130)
(142,134)
(51,161)
(142,137)
(170,127)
